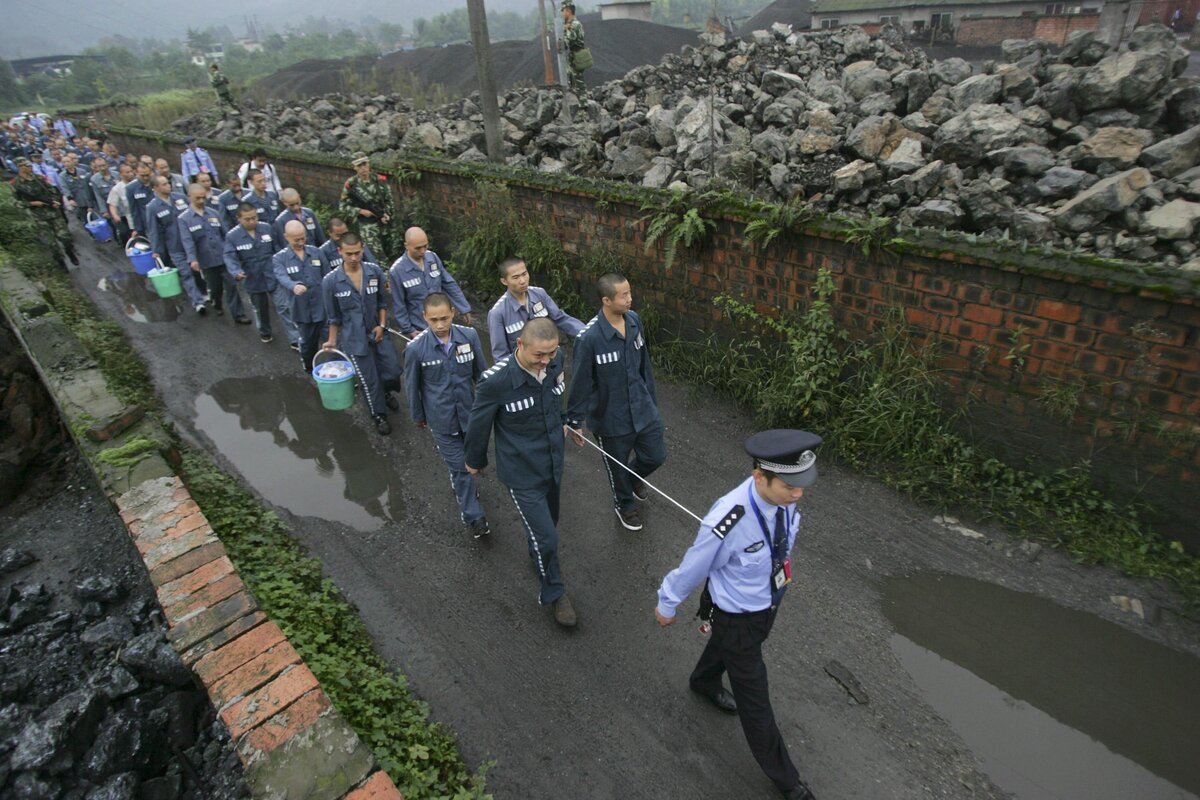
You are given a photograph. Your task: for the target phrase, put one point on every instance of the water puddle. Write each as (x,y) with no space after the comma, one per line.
(296,454)
(1057,704)
(138,300)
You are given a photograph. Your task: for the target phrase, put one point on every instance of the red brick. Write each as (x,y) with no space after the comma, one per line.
(931,284)
(266,702)
(220,638)
(194,581)
(922,319)
(253,674)
(184,509)
(982,314)
(1058,311)
(942,305)
(231,655)
(1161,332)
(167,548)
(377,787)
(185,635)
(1054,351)
(210,595)
(1186,359)
(188,523)
(186,563)
(291,721)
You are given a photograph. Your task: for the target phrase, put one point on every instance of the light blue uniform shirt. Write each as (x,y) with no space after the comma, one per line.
(508,317)
(733,552)
(192,160)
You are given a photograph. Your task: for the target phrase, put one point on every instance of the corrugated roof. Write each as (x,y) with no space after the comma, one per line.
(842,6)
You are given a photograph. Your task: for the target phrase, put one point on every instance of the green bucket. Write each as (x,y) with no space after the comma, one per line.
(165,281)
(337,390)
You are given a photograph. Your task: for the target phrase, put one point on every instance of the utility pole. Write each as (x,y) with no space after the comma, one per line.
(487,81)
(547,59)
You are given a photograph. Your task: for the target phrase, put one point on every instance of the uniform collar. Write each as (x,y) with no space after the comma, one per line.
(413,264)
(609,331)
(531,297)
(521,376)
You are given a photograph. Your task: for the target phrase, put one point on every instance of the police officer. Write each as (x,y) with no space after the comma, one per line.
(743,549)
(139,194)
(338,229)
(521,399)
(519,304)
(249,249)
(441,367)
(300,268)
(357,315)
(367,200)
(612,388)
(293,210)
(162,215)
(229,200)
(414,275)
(196,160)
(45,203)
(203,238)
(262,198)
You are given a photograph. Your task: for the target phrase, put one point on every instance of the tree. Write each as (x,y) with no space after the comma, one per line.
(200,41)
(10,90)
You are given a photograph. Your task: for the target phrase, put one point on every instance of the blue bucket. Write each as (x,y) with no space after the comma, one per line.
(140,255)
(99,228)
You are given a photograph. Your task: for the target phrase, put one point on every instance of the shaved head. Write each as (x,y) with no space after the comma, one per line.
(295,233)
(289,196)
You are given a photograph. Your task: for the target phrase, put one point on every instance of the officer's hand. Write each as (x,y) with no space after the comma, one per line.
(471,470)
(362,212)
(299,289)
(574,435)
(663,621)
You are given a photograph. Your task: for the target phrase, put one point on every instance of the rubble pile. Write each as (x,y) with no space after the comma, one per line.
(1086,148)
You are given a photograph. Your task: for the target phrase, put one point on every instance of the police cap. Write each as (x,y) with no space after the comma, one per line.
(358,157)
(787,453)
(190,140)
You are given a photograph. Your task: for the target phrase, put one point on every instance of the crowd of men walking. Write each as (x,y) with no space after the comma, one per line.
(330,288)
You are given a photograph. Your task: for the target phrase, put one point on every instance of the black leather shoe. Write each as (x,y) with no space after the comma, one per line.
(799,792)
(382,425)
(391,401)
(722,699)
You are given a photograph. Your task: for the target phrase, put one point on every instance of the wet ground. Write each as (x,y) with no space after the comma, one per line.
(986,672)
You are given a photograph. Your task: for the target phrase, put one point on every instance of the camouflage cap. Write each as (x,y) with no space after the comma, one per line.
(567,4)
(358,157)
(23,162)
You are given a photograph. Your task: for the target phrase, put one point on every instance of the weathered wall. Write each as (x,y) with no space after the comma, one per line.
(991,31)
(1129,350)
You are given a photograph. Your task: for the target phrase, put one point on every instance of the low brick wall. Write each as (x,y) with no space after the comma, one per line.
(991,31)
(291,741)
(1125,342)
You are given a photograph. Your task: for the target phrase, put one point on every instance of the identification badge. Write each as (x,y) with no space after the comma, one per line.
(464,348)
(781,575)
(214,221)
(538,307)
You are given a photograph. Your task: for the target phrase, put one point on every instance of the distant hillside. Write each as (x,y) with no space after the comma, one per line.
(617,45)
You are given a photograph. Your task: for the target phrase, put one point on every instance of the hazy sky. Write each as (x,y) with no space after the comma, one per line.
(45,27)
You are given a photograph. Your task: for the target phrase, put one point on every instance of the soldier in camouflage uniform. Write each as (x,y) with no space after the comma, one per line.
(365,189)
(45,203)
(572,42)
(221,85)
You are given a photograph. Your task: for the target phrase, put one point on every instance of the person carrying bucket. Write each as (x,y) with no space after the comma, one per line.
(299,268)
(162,216)
(249,248)
(356,310)
(203,238)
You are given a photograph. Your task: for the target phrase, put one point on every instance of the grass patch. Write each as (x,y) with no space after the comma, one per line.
(157,111)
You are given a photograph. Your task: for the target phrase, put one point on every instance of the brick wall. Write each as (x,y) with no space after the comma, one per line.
(1132,353)
(991,31)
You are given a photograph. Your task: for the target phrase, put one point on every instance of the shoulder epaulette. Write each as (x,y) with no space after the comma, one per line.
(588,327)
(415,339)
(461,327)
(728,522)
(381,177)
(499,365)
(499,300)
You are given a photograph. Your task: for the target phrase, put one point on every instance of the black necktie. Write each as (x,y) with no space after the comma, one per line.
(780,534)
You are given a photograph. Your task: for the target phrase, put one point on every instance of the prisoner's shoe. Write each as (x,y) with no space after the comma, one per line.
(479,528)
(201,309)
(721,698)
(799,792)
(266,338)
(640,491)
(382,425)
(391,401)
(630,519)
(564,612)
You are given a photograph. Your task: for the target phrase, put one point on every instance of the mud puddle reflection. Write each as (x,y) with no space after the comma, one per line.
(299,456)
(1054,702)
(139,301)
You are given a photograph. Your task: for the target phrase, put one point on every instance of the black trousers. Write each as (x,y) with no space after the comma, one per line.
(735,647)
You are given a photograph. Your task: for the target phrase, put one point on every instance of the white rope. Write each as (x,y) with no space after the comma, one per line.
(625,467)
(398,333)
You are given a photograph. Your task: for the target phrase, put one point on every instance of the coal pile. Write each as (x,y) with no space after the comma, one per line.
(1084,149)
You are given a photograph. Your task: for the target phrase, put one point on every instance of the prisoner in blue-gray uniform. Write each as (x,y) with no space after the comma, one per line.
(306,269)
(743,550)
(228,202)
(519,304)
(521,399)
(203,237)
(357,314)
(292,210)
(249,250)
(612,388)
(334,258)
(414,275)
(439,381)
(267,205)
(162,215)
(139,194)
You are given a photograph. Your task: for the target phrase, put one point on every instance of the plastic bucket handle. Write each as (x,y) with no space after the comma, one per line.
(321,351)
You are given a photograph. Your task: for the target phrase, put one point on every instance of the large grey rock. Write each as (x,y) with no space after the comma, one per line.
(1030,225)
(1115,147)
(1174,220)
(109,633)
(906,158)
(771,145)
(939,109)
(1082,47)
(151,658)
(65,729)
(917,88)
(855,176)
(976,90)
(426,135)
(968,137)
(660,173)
(1173,156)
(1028,160)
(1181,104)
(949,71)
(1130,79)
(1159,38)
(810,143)
(324,109)
(779,83)
(985,207)
(934,214)
(877,103)
(928,180)
(1016,82)
(865,77)
(1060,182)
(662,126)
(875,138)
(1107,197)
(118,787)
(1014,50)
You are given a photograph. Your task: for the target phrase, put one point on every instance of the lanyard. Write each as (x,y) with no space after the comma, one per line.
(762,523)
